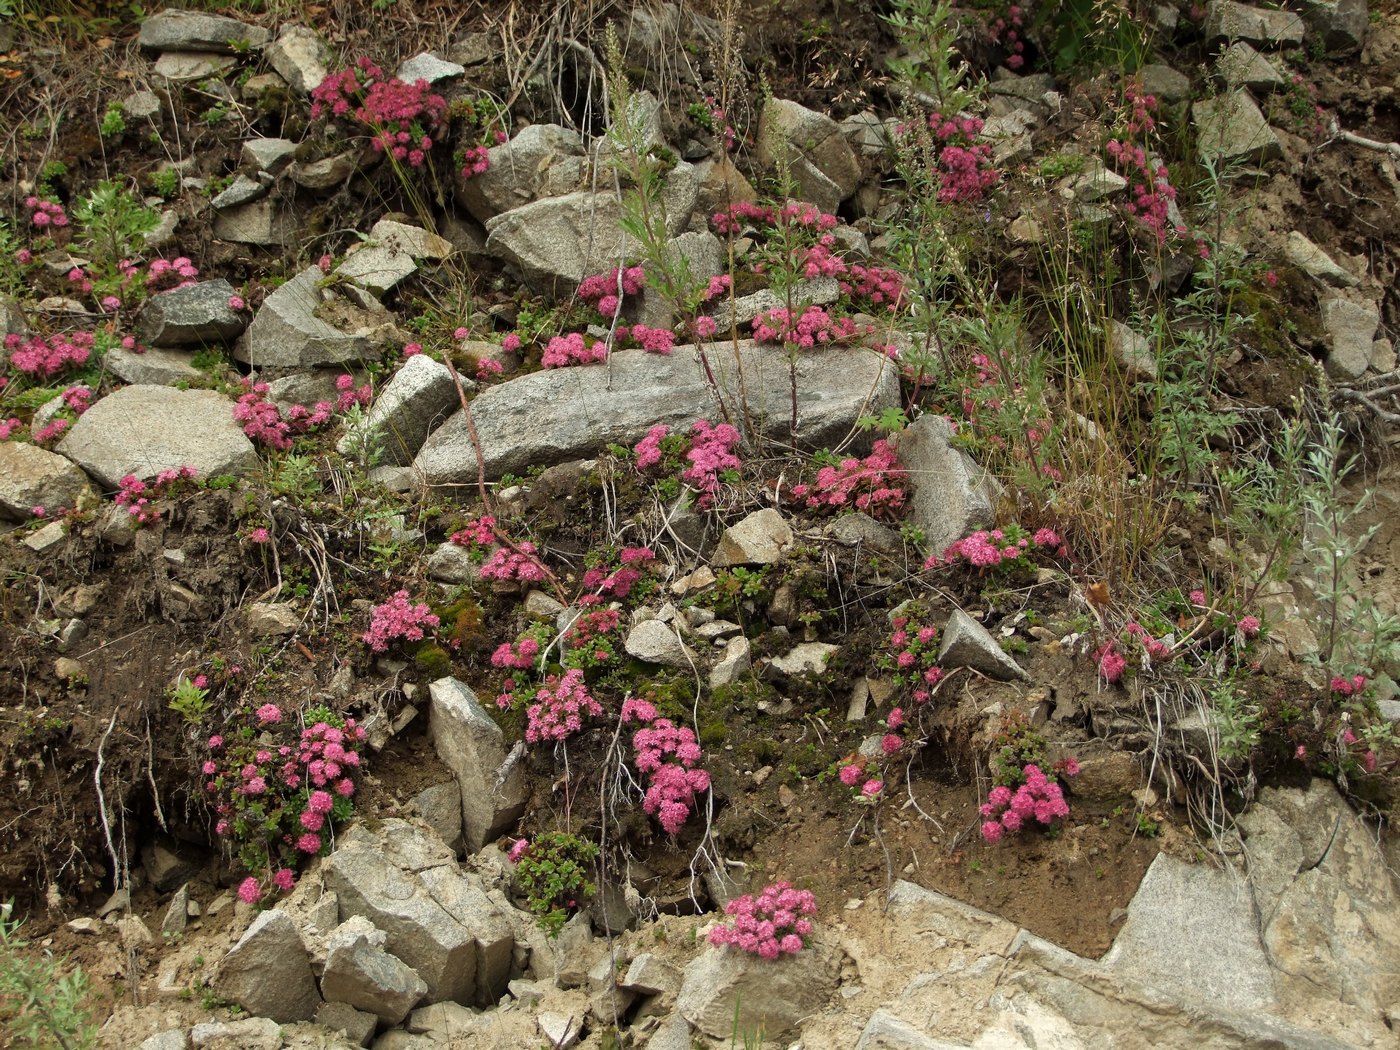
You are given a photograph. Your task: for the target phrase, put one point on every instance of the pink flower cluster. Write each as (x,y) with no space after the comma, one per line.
(45,357)
(1110,658)
(719,123)
(711,451)
(559,708)
(519,654)
(571,349)
(797,214)
(606,581)
(605,291)
(164,274)
(478,532)
(653,340)
(813,327)
(44,213)
(1007,31)
(263,421)
(10,427)
(1352,686)
(964,165)
(1111,662)
(398,618)
(1149,184)
(136,495)
(668,754)
(867,790)
(770,925)
(913,655)
(275,800)
(587,640)
(401,117)
(874,484)
(1038,798)
(991,548)
(510,566)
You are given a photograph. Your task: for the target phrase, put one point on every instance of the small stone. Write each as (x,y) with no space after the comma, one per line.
(271,619)
(176,913)
(733,665)
(299,57)
(1315,262)
(1230,128)
(429,67)
(804,658)
(86,925)
(966,643)
(192,65)
(48,538)
(657,643)
(358,1025)
(759,539)
(1242,66)
(1351,329)
(266,154)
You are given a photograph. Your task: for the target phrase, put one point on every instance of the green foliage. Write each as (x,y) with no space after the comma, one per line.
(113,223)
(930,61)
(113,121)
(189,701)
(297,477)
(553,877)
(42,1004)
(1354,635)
(1092,33)
(1015,745)
(165,182)
(1235,719)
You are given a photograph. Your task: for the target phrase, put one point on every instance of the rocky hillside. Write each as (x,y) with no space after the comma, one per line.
(653,525)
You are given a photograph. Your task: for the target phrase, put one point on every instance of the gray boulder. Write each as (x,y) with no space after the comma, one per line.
(34,477)
(1351,331)
(1231,129)
(357,1025)
(1340,23)
(464,898)
(1262,27)
(820,159)
(1327,904)
(172,30)
(558,241)
(427,66)
(1242,66)
(658,643)
(190,316)
(725,990)
(266,223)
(518,170)
(248,1033)
(472,745)
(1315,262)
(419,397)
(155,366)
(418,930)
(299,58)
(242,190)
(143,430)
(371,980)
(269,155)
(759,538)
(302,324)
(559,414)
(966,643)
(268,971)
(1191,931)
(952,496)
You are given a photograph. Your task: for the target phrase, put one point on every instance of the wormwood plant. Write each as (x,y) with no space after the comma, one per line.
(42,1003)
(1354,635)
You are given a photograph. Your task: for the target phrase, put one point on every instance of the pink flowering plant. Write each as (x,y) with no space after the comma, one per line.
(1150,191)
(876,484)
(774,923)
(398,620)
(1008,548)
(1036,799)
(911,654)
(702,459)
(278,785)
(141,498)
(266,424)
(669,757)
